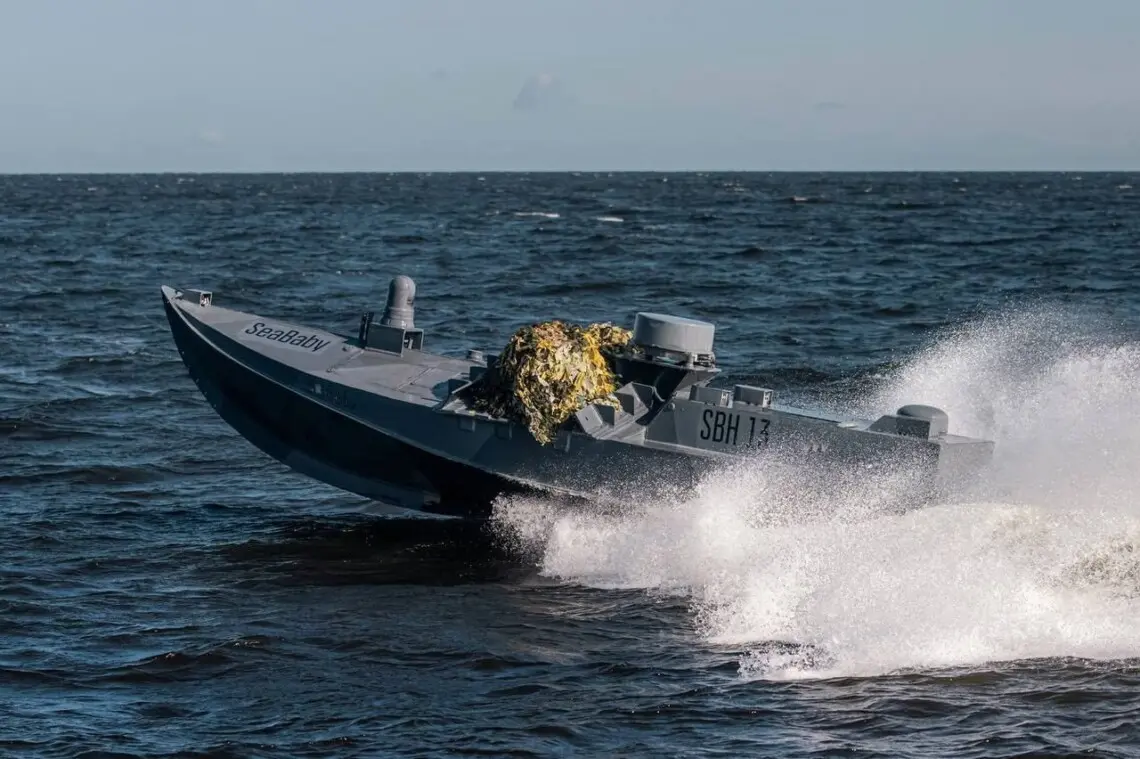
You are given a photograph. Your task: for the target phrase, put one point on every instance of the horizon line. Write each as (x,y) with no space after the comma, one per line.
(250,172)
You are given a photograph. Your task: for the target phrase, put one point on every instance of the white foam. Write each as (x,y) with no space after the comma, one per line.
(1056,391)
(1044,563)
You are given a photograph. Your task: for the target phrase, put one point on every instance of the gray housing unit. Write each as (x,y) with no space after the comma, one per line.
(377,415)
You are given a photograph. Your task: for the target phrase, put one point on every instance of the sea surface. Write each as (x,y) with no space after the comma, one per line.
(166,590)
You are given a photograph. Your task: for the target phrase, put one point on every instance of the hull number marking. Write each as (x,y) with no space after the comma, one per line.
(729,428)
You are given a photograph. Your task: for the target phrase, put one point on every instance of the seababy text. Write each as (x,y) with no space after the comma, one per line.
(287,336)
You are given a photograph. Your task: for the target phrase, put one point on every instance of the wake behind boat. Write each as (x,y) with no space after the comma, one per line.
(378,415)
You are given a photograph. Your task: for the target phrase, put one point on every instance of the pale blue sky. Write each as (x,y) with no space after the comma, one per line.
(203,85)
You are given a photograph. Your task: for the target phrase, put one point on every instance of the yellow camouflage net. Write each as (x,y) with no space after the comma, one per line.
(550,371)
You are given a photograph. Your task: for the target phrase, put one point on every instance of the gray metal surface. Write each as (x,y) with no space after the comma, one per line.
(380,416)
(400,311)
(673,333)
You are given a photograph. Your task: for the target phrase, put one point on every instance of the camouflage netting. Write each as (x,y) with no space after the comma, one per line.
(550,371)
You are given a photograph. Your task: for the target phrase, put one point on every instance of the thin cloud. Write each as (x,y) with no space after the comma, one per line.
(541,92)
(211,136)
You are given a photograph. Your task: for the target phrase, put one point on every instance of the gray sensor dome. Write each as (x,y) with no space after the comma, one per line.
(673,333)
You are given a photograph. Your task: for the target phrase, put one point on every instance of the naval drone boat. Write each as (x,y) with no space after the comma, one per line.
(378,415)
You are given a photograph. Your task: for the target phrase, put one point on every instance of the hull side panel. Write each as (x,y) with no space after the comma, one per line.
(320,443)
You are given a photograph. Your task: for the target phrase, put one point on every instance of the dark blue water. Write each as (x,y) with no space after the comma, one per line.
(167,590)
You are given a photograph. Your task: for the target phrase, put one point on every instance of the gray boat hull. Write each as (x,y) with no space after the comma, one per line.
(378,416)
(325,444)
